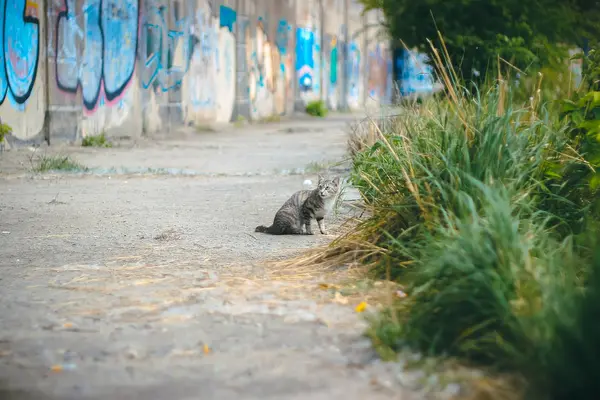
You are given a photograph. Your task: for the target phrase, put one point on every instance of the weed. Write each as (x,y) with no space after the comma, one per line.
(314,167)
(240,121)
(271,119)
(5,129)
(47,163)
(96,141)
(316,108)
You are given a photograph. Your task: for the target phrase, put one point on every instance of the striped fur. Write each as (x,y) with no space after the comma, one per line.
(294,217)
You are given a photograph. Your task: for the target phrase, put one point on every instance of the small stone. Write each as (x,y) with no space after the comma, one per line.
(132,354)
(451,390)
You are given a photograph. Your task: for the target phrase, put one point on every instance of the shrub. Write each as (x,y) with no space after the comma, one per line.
(316,108)
(582,112)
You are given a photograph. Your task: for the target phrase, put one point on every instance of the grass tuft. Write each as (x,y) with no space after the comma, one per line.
(96,141)
(47,163)
(5,129)
(316,108)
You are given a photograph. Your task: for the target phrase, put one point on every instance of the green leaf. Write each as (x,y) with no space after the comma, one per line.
(591,126)
(595,181)
(568,106)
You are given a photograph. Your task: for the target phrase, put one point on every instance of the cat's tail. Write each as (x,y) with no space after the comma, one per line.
(263,229)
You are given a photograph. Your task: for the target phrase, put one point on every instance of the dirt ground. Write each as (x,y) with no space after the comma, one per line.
(142,278)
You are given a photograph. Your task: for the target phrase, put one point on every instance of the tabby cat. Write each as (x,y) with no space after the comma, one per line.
(302,207)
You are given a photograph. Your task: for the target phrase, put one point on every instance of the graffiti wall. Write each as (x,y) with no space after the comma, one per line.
(354,72)
(92,55)
(379,76)
(416,74)
(22,99)
(284,42)
(210,86)
(332,71)
(133,67)
(268,60)
(332,54)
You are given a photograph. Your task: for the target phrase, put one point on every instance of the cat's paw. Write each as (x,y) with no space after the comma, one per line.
(309,233)
(325,232)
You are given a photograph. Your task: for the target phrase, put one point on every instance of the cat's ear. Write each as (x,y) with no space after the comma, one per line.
(336,181)
(320,178)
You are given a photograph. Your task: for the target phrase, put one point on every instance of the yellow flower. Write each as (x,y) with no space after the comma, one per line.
(361,307)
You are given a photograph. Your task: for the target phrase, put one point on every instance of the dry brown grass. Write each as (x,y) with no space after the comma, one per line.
(366,133)
(361,137)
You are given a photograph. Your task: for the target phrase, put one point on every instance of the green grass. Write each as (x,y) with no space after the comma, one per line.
(47,163)
(96,141)
(316,108)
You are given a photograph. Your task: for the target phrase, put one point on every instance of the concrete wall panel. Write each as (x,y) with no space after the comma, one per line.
(22,67)
(133,67)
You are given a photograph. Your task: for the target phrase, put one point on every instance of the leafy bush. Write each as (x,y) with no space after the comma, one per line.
(316,108)
(583,113)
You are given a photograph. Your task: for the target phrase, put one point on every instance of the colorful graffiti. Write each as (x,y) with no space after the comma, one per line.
(226,64)
(260,70)
(166,58)
(19,49)
(416,75)
(380,75)
(282,41)
(204,62)
(266,80)
(353,71)
(305,61)
(331,66)
(126,61)
(212,67)
(227,18)
(96,49)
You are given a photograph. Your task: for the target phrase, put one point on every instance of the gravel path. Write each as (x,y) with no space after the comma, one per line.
(143,278)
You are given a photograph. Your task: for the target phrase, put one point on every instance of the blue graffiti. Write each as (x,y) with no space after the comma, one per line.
(282,36)
(3,78)
(120,28)
(19,48)
(227,17)
(158,60)
(109,44)
(389,85)
(333,62)
(305,62)
(353,70)
(416,75)
(205,58)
